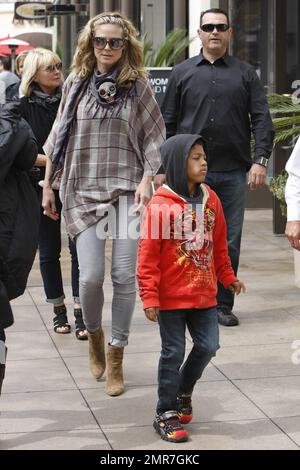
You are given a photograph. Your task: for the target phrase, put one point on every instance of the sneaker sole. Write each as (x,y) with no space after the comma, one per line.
(183,438)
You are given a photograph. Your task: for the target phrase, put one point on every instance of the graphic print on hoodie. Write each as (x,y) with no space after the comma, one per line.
(183,248)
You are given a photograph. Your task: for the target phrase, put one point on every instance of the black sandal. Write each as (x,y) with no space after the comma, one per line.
(79,325)
(61,320)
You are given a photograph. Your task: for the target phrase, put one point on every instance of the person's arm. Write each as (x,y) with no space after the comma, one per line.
(292,197)
(152,135)
(26,157)
(23,145)
(170,107)
(262,128)
(48,202)
(40,160)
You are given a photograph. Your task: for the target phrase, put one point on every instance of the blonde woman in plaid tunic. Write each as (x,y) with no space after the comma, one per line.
(104,149)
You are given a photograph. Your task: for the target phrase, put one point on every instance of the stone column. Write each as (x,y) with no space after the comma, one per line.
(180,14)
(108,5)
(127,8)
(180,21)
(65,42)
(96,7)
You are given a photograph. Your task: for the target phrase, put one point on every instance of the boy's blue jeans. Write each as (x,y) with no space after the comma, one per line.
(173,377)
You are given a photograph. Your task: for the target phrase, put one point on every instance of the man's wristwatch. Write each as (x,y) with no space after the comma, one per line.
(262,161)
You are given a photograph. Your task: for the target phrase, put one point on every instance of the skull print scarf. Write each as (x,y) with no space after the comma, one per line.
(108,94)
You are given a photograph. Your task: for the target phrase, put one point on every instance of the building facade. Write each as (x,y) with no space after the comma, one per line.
(266,34)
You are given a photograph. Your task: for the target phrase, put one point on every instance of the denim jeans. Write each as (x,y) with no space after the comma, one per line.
(230,187)
(173,377)
(49,251)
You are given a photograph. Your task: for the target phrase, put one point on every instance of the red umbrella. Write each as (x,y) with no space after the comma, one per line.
(14,43)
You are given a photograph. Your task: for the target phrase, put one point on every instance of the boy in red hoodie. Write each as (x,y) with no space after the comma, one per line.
(182,255)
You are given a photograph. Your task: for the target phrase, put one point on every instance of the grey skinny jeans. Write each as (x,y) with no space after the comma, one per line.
(90,246)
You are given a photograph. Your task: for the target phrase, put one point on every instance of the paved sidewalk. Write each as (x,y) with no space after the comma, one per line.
(248,397)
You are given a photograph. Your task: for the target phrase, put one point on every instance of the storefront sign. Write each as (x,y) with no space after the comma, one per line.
(159,77)
(30,11)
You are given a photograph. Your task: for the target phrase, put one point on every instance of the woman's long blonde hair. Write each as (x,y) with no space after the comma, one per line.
(35,59)
(131,62)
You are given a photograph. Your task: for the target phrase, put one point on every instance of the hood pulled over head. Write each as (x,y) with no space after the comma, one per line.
(174,155)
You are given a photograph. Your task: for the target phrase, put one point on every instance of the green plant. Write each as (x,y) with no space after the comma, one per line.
(173,45)
(277,187)
(58,51)
(286,119)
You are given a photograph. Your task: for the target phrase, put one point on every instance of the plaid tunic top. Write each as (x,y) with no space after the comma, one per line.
(107,154)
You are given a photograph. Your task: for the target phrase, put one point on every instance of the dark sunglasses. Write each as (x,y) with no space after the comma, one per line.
(209,27)
(114,43)
(52,68)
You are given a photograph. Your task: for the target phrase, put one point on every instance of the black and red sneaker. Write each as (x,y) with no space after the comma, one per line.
(169,428)
(185,410)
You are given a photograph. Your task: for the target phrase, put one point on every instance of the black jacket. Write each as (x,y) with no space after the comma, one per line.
(19,206)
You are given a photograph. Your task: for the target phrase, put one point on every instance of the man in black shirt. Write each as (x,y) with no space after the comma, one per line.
(221,98)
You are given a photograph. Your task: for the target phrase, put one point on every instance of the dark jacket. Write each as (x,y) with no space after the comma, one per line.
(12,92)
(40,116)
(19,206)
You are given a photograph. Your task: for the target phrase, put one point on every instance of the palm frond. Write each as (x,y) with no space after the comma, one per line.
(167,46)
(286,121)
(286,109)
(286,117)
(183,44)
(287,134)
(147,49)
(279,100)
(165,54)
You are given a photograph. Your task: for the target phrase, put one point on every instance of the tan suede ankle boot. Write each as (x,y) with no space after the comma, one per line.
(114,373)
(96,353)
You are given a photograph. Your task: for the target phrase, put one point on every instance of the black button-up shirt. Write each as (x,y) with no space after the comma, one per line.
(223,101)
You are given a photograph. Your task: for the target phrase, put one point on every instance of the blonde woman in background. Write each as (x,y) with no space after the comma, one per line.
(19,65)
(13,92)
(20,62)
(105,145)
(41,85)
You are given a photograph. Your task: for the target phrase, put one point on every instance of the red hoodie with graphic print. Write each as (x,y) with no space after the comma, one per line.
(183,252)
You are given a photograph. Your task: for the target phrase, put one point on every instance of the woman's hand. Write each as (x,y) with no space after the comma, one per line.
(48,203)
(143,194)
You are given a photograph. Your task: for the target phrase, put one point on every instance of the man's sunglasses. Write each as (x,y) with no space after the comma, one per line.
(209,27)
(114,43)
(53,68)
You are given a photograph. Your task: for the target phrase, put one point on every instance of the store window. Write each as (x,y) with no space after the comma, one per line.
(292,44)
(253,36)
